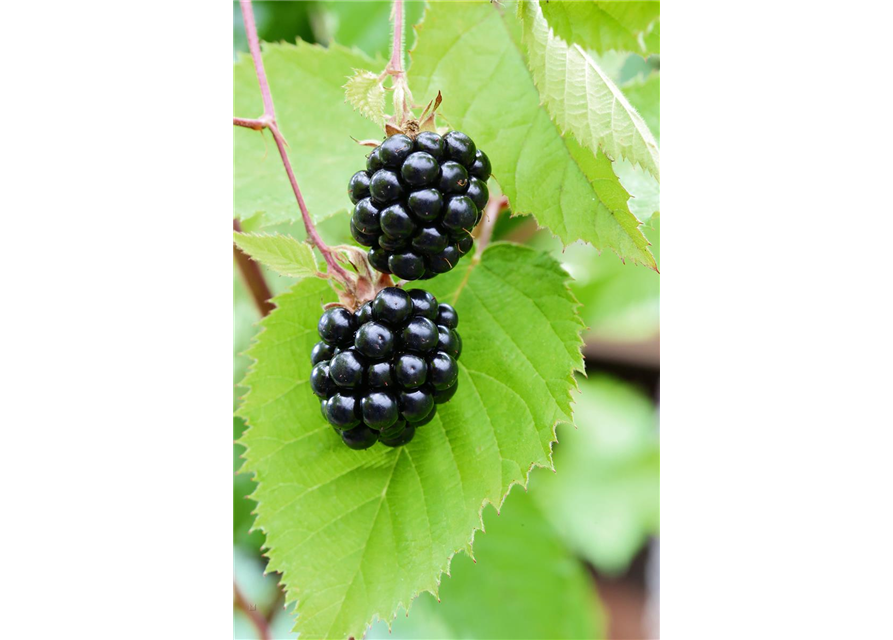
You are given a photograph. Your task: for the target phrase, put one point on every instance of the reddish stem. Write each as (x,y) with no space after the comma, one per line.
(268,121)
(396,63)
(253,276)
(260,623)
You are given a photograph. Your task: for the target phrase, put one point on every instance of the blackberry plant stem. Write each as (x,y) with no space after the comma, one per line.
(268,121)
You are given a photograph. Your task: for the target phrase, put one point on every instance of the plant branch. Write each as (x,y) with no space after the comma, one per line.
(402,95)
(253,277)
(260,623)
(268,121)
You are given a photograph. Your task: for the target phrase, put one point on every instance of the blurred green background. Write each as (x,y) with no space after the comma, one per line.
(590,530)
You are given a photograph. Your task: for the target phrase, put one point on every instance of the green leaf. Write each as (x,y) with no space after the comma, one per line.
(365,93)
(472,53)
(307,83)
(356,534)
(524,584)
(605,26)
(604,498)
(582,98)
(283,254)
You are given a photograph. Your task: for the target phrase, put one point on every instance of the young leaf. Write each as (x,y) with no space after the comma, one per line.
(472,53)
(357,534)
(283,254)
(605,26)
(525,584)
(610,464)
(302,78)
(582,99)
(366,94)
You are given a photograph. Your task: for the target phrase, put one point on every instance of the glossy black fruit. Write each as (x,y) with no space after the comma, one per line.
(442,371)
(395,364)
(393,431)
(380,375)
(320,381)
(396,222)
(419,335)
(419,199)
(364,314)
(366,216)
(430,240)
(323,351)
(448,341)
(391,305)
(385,186)
(402,438)
(465,245)
(419,169)
(407,265)
(365,239)
(373,161)
(347,369)
(447,316)
(423,304)
(410,370)
(343,411)
(460,147)
(391,245)
(479,193)
(426,204)
(445,260)
(416,404)
(378,258)
(375,341)
(430,143)
(445,395)
(395,150)
(459,215)
(481,167)
(360,438)
(379,410)
(358,187)
(453,178)
(336,326)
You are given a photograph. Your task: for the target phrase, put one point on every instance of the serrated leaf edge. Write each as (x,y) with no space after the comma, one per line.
(467,547)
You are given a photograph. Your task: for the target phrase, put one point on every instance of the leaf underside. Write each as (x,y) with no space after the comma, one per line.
(582,99)
(358,534)
(568,188)
(365,93)
(302,77)
(284,254)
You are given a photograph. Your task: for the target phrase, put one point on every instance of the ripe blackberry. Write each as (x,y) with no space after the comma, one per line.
(381,371)
(417,202)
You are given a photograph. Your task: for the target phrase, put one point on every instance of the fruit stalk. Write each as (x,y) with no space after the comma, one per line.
(268,121)
(402,96)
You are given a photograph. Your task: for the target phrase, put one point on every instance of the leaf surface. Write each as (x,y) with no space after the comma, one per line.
(365,93)
(472,52)
(284,254)
(357,534)
(582,99)
(525,583)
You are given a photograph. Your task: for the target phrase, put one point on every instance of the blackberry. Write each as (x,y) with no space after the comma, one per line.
(417,202)
(381,371)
